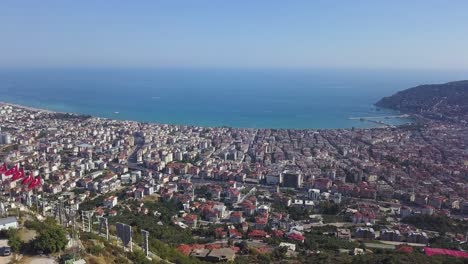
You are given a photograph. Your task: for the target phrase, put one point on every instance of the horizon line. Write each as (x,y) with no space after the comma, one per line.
(253,68)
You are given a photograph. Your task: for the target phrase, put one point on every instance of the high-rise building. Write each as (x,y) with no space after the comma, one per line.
(292,179)
(314,194)
(5,138)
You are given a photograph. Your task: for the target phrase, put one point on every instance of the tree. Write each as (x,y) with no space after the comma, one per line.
(437,223)
(51,239)
(242,260)
(329,208)
(14,240)
(279,253)
(264,258)
(138,256)
(96,250)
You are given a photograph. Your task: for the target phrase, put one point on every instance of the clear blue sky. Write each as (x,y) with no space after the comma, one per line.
(238,33)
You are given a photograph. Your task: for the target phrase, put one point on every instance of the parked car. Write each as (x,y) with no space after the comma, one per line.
(5,251)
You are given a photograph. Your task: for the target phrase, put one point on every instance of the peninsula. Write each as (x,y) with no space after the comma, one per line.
(447,101)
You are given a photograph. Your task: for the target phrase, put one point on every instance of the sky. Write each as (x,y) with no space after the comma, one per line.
(397,34)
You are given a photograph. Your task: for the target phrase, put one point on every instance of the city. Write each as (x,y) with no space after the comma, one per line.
(240,132)
(232,194)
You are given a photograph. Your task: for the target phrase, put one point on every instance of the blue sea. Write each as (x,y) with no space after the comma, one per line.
(253,98)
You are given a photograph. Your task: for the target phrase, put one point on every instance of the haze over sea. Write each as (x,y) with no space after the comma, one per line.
(253,98)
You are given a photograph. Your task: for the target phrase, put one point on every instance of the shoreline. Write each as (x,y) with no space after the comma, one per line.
(30,108)
(42,110)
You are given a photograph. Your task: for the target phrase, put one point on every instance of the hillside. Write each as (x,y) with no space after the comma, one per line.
(447,101)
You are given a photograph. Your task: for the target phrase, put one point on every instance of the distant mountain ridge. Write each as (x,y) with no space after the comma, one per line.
(448,101)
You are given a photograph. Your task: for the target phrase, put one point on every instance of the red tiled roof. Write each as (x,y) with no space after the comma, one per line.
(257,233)
(404,249)
(190,218)
(263,250)
(253,198)
(278,233)
(235,233)
(213,246)
(236,214)
(296,236)
(440,251)
(184,249)
(236,249)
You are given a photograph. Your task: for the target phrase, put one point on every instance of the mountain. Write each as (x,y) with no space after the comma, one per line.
(448,101)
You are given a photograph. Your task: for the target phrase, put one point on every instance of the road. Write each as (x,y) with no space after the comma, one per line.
(38,260)
(197,181)
(251,192)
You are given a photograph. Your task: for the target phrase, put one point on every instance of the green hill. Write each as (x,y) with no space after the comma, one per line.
(448,102)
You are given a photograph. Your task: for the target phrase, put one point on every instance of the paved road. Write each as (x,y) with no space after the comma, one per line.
(40,260)
(377,245)
(197,181)
(251,192)
(396,243)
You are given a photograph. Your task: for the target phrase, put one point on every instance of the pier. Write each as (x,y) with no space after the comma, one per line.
(379,117)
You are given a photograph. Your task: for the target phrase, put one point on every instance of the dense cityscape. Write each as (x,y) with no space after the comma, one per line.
(237,132)
(232,194)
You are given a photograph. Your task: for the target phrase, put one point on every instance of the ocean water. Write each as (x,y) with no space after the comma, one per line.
(217,97)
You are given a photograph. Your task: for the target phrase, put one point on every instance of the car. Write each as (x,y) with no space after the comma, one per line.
(5,251)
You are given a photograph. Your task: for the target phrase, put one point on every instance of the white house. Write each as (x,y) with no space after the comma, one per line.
(110,202)
(8,222)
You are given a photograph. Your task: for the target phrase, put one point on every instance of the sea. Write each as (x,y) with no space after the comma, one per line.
(245,98)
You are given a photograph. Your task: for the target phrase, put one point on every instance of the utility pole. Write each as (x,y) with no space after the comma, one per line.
(60,212)
(70,214)
(37,205)
(86,218)
(73,220)
(145,246)
(103,223)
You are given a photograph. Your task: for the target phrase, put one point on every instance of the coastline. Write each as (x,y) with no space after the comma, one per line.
(30,108)
(313,99)
(382,126)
